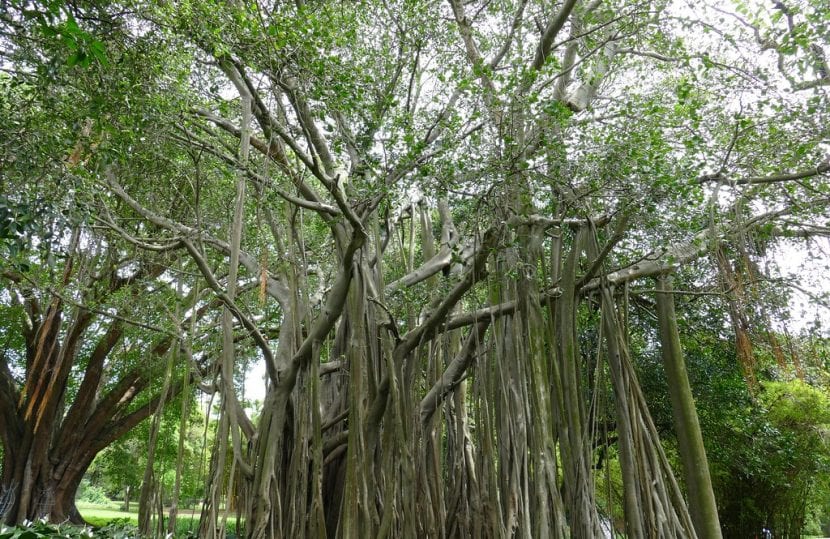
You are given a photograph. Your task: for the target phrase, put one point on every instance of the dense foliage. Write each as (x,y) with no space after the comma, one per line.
(44,530)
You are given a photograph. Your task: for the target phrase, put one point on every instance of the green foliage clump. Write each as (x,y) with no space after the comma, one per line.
(768,447)
(91,493)
(771,457)
(43,529)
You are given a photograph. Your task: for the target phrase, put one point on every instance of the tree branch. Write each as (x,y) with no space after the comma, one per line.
(551,31)
(247,323)
(823,168)
(454,372)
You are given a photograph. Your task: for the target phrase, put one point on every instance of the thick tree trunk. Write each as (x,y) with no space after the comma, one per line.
(47,452)
(47,491)
(41,479)
(570,405)
(48,441)
(690,441)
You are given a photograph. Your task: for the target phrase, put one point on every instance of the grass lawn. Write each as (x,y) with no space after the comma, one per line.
(99,514)
(104,513)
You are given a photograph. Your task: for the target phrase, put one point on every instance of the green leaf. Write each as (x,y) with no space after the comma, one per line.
(99,52)
(75,58)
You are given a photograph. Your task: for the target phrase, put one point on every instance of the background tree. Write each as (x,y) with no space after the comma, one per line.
(85,322)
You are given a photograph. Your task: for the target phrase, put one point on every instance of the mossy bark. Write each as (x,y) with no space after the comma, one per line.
(690,441)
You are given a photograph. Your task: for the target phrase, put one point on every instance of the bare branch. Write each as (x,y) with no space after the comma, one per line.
(508,41)
(823,168)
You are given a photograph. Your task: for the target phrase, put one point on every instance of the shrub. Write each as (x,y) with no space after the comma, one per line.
(118,529)
(87,492)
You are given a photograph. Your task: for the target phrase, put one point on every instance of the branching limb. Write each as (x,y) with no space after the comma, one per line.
(551,31)
(454,372)
(515,25)
(619,234)
(247,323)
(275,287)
(325,210)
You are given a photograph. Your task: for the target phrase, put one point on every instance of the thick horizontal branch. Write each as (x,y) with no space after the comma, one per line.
(653,266)
(823,168)
(800,230)
(440,261)
(810,84)
(485,313)
(547,222)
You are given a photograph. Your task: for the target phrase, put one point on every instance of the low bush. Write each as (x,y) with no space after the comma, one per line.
(87,492)
(117,529)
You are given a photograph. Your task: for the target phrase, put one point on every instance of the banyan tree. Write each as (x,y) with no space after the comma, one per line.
(432,222)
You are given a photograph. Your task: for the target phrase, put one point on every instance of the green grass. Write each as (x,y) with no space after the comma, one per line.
(110,504)
(102,514)
(99,514)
